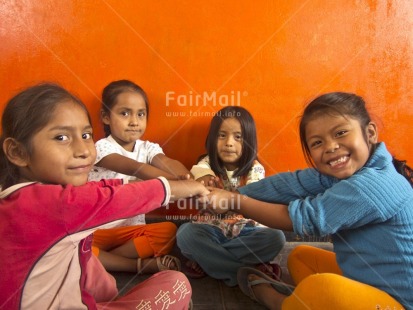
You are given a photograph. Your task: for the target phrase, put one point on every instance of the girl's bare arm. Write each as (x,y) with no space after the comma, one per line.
(128,166)
(187,189)
(269,214)
(171,166)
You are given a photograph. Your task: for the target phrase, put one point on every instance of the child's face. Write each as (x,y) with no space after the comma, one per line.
(229,143)
(63,151)
(337,145)
(127,119)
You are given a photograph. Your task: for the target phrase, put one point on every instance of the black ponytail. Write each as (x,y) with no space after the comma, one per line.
(403,169)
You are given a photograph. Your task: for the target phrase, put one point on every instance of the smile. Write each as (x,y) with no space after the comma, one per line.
(338,161)
(81,168)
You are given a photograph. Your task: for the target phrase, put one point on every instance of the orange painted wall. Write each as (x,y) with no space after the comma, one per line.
(275,55)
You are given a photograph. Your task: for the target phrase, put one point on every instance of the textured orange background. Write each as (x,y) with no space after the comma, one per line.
(274,56)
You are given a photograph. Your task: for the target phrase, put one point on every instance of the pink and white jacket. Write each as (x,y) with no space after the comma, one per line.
(45,230)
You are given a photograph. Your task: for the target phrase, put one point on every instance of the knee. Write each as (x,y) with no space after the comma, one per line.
(188,233)
(301,250)
(184,284)
(299,253)
(328,284)
(275,237)
(190,229)
(323,281)
(272,233)
(279,236)
(176,275)
(333,291)
(170,228)
(173,277)
(95,251)
(319,291)
(184,233)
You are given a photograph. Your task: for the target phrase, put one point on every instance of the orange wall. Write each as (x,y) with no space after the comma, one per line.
(275,55)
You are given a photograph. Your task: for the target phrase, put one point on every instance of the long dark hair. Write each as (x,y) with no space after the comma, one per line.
(346,105)
(249,140)
(110,96)
(26,114)
(403,169)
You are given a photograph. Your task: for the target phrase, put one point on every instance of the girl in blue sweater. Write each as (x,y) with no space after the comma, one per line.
(357,193)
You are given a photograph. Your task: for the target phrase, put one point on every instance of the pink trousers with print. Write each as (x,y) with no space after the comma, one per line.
(164,290)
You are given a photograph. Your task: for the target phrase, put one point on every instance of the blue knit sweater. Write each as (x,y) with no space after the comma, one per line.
(369,215)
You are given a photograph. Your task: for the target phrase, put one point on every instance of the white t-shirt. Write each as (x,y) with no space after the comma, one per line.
(143,152)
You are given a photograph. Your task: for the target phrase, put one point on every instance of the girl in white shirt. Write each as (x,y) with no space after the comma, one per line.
(136,246)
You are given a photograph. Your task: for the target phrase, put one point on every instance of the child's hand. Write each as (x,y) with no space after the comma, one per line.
(212,181)
(184,177)
(202,191)
(187,189)
(216,182)
(220,201)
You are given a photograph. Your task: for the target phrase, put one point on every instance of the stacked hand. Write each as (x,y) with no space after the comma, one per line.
(212,181)
(219,200)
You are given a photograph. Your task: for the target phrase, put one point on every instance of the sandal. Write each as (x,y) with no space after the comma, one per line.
(246,285)
(193,270)
(166,262)
(272,270)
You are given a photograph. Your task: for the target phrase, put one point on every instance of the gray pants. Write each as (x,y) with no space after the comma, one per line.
(221,257)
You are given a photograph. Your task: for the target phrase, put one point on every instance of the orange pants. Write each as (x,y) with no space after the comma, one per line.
(321,285)
(155,239)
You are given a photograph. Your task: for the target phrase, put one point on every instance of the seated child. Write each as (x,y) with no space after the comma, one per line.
(219,246)
(136,246)
(48,211)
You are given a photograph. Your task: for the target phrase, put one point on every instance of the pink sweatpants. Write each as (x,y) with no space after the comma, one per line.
(164,290)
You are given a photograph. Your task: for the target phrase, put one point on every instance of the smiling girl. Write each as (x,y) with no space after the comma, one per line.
(48,211)
(357,193)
